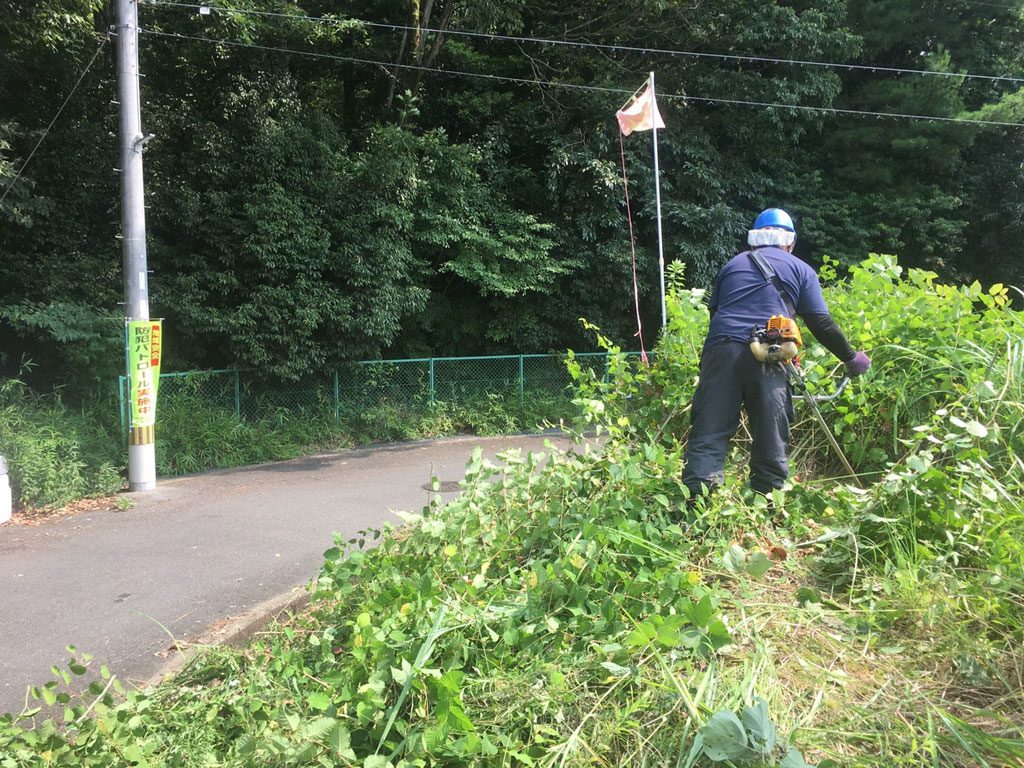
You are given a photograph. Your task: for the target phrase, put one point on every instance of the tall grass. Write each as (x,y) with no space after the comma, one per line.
(194,435)
(55,454)
(58,454)
(572,610)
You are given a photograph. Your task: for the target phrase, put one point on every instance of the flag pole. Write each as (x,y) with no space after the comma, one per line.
(657,199)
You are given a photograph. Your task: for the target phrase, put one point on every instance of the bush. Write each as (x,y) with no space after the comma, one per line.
(937,423)
(572,609)
(195,435)
(54,454)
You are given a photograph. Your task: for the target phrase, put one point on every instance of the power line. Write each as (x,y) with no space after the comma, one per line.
(54,120)
(575,86)
(744,58)
(1004,6)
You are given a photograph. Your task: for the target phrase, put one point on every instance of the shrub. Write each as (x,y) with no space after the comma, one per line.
(571,609)
(55,454)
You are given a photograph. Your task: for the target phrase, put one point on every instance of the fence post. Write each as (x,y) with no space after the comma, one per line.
(431,381)
(238,395)
(337,397)
(606,372)
(522,382)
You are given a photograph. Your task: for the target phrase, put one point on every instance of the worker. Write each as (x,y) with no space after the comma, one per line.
(752,287)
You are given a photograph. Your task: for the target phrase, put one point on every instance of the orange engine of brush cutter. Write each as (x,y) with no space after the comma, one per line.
(778,342)
(786,328)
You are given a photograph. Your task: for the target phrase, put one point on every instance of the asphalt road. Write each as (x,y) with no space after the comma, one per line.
(196,551)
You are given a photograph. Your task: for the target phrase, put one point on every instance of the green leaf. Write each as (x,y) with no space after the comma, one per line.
(365,711)
(320,728)
(701,613)
(734,559)
(319,700)
(760,729)
(691,638)
(807,595)
(435,737)
(794,759)
(377,761)
(133,754)
(724,737)
(718,633)
(643,634)
(339,741)
(403,674)
(668,635)
(616,670)
(977,429)
(245,745)
(458,718)
(758,565)
(917,463)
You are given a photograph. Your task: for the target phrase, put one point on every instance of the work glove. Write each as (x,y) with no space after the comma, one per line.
(857,364)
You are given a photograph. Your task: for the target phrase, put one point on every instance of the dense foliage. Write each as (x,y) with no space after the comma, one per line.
(304,211)
(569,611)
(57,454)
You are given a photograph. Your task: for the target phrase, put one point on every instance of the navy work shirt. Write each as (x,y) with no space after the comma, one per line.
(742,299)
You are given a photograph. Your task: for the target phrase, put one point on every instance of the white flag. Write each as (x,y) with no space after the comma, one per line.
(641,114)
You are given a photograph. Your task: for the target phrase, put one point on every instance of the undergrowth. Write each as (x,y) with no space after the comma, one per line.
(195,436)
(568,609)
(55,454)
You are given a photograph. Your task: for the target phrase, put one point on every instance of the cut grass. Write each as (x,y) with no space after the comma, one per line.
(587,618)
(870,696)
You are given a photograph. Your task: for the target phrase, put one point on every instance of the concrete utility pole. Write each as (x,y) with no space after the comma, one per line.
(141,442)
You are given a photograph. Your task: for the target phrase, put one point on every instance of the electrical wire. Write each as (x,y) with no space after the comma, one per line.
(745,58)
(576,86)
(1004,6)
(28,159)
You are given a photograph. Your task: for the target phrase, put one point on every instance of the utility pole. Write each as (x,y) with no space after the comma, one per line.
(141,442)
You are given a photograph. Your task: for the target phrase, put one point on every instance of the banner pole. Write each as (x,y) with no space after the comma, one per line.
(657,199)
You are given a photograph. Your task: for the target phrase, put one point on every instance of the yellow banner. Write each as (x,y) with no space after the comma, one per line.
(145,344)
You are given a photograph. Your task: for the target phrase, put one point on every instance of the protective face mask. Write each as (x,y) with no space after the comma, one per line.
(780,238)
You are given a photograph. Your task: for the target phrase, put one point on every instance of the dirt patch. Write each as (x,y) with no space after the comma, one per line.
(40,515)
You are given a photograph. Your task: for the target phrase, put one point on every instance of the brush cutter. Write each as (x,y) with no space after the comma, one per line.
(797,378)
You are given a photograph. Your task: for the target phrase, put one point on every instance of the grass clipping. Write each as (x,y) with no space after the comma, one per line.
(567,609)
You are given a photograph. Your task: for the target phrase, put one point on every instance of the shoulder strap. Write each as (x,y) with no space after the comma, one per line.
(769,275)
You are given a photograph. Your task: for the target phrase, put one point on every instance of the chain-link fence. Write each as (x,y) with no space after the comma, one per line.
(359,386)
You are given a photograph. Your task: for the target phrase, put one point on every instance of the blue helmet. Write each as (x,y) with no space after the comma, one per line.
(774,217)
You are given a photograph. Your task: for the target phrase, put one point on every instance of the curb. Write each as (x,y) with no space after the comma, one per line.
(235,632)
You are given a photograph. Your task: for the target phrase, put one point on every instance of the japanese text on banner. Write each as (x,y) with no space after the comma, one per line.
(144,351)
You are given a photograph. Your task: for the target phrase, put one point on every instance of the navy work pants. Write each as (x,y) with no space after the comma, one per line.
(730,377)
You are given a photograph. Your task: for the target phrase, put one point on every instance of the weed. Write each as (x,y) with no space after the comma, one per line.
(571,609)
(55,454)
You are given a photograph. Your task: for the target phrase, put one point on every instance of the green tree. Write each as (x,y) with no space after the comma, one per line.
(304,211)
(60,276)
(896,185)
